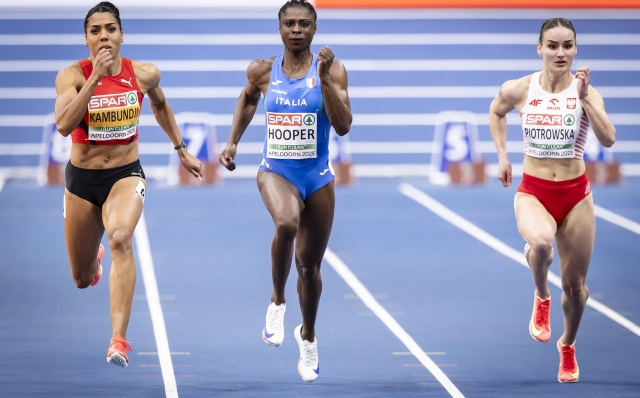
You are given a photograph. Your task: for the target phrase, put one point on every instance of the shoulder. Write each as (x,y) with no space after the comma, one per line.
(259,69)
(514,91)
(146,73)
(72,73)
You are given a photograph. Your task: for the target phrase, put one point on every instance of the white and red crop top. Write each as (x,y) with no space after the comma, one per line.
(112,115)
(553,125)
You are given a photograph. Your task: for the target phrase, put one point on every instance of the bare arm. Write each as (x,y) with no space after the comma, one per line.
(511,93)
(593,105)
(71,104)
(245,109)
(148,77)
(333,77)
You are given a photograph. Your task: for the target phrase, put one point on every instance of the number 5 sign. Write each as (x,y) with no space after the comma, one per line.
(455,148)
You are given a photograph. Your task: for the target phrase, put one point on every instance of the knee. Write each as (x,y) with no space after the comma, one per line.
(308,272)
(120,240)
(541,245)
(286,228)
(574,288)
(82,279)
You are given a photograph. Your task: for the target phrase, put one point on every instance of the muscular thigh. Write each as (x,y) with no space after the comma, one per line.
(534,221)
(575,239)
(123,207)
(315,225)
(83,230)
(280,196)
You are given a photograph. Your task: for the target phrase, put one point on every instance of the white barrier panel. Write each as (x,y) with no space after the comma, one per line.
(455,142)
(600,165)
(56,154)
(199,134)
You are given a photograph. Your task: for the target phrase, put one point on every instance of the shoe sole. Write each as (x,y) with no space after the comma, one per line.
(117,359)
(267,341)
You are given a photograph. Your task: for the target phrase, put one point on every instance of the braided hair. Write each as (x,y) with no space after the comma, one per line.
(104,6)
(553,23)
(298,3)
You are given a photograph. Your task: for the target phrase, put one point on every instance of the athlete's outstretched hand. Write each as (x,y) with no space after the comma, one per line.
(191,163)
(325,59)
(228,155)
(101,63)
(583,81)
(504,173)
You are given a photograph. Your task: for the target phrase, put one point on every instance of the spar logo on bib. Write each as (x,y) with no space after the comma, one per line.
(569,120)
(311,82)
(543,120)
(309,120)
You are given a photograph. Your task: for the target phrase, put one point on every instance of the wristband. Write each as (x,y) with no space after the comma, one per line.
(180,146)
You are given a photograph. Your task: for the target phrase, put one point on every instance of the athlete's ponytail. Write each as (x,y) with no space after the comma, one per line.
(298,3)
(104,6)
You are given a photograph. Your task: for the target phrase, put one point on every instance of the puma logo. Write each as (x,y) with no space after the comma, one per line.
(128,82)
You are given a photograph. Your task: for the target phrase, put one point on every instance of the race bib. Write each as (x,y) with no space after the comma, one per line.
(292,135)
(113,116)
(550,136)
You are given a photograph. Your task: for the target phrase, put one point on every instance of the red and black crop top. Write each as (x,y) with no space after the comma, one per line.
(113,112)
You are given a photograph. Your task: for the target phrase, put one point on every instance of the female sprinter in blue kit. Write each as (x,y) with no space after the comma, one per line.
(304,95)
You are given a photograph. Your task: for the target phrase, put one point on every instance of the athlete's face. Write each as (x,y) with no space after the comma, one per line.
(103,31)
(297,28)
(558,49)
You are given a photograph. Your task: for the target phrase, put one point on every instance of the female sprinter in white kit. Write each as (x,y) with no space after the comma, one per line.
(554,201)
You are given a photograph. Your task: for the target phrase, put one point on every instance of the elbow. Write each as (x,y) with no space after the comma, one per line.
(609,140)
(608,143)
(342,130)
(63,129)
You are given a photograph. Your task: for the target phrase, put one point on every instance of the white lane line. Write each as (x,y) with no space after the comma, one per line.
(359,119)
(355,147)
(371,170)
(352,65)
(155,308)
(367,298)
(473,230)
(253,39)
(370,92)
(617,219)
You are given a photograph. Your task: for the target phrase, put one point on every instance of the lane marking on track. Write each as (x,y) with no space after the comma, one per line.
(442,211)
(367,298)
(409,353)
(155,308)
(617,219)
(369,92)
(333,39)
(359,119)
(352,65)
